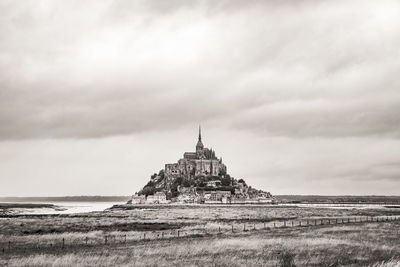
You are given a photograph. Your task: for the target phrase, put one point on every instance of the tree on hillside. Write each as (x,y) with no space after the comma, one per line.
(148,190)
(225,181)
(242,181)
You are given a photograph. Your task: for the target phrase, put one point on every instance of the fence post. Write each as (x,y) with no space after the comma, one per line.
(86,240)
(232,228)
(178,233)
(63,243)
(105,240)
(162,235)
(264,225)
(292,223)
(244,227)
(284,223)
(125,238)
(274,224)
(9,245)
(219,229)
(144,236)
(299,223)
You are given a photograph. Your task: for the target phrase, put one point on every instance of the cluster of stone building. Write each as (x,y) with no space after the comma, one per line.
(193,196)
(157,198)
(201,162)
(215,196)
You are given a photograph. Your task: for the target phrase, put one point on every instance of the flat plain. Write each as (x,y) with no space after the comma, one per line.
(199,235)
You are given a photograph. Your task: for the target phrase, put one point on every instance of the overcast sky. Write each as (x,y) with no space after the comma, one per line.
(297,97)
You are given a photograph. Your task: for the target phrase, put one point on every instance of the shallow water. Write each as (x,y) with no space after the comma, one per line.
(66,207)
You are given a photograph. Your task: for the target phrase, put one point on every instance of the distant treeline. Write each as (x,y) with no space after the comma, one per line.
(338,199)
(67,198)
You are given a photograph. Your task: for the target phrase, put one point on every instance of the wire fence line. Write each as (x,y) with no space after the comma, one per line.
(11,246)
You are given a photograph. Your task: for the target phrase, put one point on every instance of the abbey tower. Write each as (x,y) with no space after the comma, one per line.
(203,162)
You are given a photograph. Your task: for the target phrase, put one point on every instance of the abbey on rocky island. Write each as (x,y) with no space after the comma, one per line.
(202,162)
(198,177)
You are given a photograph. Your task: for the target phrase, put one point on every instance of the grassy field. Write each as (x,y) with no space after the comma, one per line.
(205,239)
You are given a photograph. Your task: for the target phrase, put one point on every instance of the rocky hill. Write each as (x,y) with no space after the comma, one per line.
(172,186)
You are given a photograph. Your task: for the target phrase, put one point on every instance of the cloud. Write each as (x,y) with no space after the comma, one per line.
(298,69)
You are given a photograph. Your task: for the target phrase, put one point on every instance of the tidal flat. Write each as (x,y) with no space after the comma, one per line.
(198,235)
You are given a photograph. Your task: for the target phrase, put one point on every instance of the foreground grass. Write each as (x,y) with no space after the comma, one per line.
(373,244)
(357,244)
(30,231)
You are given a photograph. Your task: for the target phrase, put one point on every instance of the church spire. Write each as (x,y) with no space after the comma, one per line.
(200,133)
(199,145)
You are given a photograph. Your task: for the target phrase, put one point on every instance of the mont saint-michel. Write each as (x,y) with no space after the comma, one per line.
(198,177)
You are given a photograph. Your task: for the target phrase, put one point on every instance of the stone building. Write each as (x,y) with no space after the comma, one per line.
(218,196)
(157,198)
(203,162)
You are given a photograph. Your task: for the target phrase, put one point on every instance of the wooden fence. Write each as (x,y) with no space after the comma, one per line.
(224,229)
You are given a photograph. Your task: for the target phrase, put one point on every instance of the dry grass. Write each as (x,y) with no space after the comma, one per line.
(375,244)
(390,263)
(347,245)
(164,218)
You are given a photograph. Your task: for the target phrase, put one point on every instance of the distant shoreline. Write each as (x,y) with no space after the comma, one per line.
(288,199)
(344,199)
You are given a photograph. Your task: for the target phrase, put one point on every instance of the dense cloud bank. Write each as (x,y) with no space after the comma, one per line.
(72,69)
